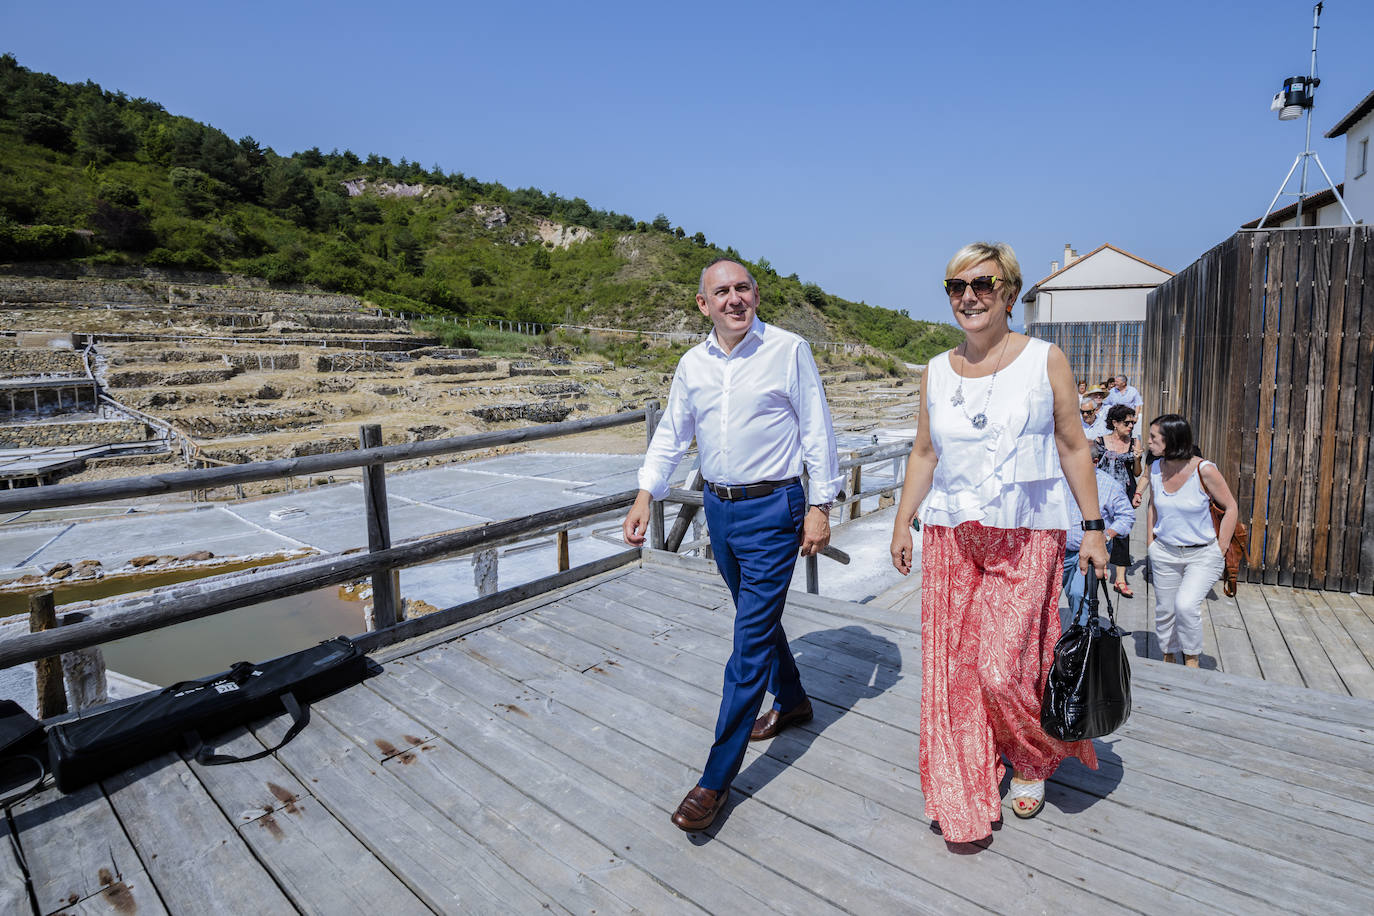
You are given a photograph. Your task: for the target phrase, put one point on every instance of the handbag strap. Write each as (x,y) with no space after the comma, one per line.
(1091,584)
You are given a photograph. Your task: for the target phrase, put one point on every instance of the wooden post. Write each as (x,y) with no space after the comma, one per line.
(686,515)
(384,584)
(52,693)
(855,488)
(652,413)
(562,540)
(484,572)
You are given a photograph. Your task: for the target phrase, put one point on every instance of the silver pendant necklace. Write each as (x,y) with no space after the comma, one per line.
(980,419)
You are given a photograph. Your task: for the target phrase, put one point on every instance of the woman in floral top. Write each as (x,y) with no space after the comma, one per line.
(1118,455)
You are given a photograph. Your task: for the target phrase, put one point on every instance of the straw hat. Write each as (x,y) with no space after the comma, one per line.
(1097,389)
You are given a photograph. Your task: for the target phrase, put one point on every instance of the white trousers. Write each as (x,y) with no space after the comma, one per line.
(1181,578)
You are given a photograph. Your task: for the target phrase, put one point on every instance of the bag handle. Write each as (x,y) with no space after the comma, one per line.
(1091,583)
(206,756)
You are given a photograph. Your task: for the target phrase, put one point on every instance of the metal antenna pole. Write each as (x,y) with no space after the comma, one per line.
(1307,142)
(1307,152)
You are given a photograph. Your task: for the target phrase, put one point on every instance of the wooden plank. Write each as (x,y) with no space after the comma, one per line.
(132,892)
(191,852)
(1250,493)
(1261,536)
(1235,653)
(14,892)
(441,864)
(73,845)
(1312,338)
(1348,471)
(1357,623)
(1283,479)
(1313,664)
(1333,294)
(247,790)
(1353,669)
(1360,549)
(1275,661)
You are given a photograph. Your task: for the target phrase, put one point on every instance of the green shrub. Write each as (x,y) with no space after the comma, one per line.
(36,243)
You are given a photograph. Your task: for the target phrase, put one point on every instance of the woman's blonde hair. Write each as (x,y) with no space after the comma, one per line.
(999,253)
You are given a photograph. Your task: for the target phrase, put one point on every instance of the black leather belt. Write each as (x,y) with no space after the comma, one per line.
(750,490)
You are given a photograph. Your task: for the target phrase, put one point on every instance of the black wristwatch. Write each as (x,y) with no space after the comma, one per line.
(1095,524)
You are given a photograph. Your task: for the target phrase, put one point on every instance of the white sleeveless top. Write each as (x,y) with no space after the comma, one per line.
(1183,518)
(1007,474)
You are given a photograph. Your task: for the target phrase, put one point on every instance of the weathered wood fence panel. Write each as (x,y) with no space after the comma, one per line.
(1266,345)
(1097,350)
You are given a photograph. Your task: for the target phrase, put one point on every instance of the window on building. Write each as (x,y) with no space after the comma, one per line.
(1363,156)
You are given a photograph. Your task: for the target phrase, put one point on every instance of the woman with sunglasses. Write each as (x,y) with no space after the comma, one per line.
(1118,454)
(999,453)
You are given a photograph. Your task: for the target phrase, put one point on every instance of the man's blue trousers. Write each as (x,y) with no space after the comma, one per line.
(755,544)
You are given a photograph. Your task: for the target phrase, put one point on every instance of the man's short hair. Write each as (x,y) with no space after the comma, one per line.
(701,283)
(1088,403)
(1123,378)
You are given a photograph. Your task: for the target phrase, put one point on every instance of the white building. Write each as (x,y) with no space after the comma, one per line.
(1322,208)
(1357,127)
(1106,284)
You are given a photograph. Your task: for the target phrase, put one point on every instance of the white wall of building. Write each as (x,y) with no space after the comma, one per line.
(1359,169)
(1062,298)
(1088,305)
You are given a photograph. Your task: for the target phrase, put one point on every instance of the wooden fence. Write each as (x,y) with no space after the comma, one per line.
(1097,350)
(1266,345)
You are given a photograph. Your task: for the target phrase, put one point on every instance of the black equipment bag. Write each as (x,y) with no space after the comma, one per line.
(1088,691)
(83,750)
(22,760)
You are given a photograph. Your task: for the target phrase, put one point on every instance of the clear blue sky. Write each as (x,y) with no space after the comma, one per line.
(858,145)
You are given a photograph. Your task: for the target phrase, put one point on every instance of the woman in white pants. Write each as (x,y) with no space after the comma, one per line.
(1185,559)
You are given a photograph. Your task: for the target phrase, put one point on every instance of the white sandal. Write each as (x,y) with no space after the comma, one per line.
(1027,798)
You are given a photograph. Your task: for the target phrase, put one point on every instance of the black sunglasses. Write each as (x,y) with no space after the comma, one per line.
(982,286)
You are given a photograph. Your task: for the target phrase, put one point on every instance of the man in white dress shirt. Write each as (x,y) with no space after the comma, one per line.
(751,396)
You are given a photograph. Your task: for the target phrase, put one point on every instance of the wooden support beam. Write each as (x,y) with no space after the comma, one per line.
(561,539)
(652,414)
(385,594)
(685,515)
(52,692)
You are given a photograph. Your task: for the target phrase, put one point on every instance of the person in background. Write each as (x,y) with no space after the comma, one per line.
(1098,394)
(1082,387)
(1185,558)
(1119,515)
(1123,393)
(1087,415)
(999,454)
(1118,453)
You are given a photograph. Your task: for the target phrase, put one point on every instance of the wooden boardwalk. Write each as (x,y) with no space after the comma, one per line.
(528,762)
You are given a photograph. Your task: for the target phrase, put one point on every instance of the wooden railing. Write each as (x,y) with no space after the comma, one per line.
(80,630)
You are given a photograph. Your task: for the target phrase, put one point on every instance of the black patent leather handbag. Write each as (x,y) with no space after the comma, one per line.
(1088,690)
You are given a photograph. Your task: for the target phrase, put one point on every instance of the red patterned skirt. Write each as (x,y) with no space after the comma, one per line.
(989,622)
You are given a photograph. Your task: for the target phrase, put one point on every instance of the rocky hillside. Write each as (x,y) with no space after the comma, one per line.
(93,177)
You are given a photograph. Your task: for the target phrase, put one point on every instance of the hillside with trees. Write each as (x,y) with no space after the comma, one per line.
(96,177)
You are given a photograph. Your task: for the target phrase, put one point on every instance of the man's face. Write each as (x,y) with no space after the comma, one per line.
(1121,383)
(730,300)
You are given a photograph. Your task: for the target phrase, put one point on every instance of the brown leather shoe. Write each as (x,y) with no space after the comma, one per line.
(772,722)
(699,809)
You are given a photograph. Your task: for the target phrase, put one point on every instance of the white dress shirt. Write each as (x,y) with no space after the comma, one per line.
(758,413)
